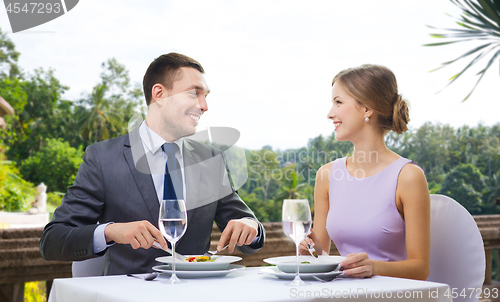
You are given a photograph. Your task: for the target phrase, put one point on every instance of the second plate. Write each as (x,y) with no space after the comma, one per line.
(166,271)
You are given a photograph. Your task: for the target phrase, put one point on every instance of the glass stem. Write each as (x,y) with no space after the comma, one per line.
(297,262)
(173,260)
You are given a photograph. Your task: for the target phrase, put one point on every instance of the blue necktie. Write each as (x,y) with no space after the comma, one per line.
(172,183)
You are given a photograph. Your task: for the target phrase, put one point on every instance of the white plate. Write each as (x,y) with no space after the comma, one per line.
(220,263)
(305,276)
(166,271)
(322,264)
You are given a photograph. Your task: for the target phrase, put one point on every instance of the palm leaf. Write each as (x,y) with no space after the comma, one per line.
(491,11)
(482,72)
(470,52)
(456,76)
(480,20)
(463,56)
(488,9)
(485,27)
(484,23)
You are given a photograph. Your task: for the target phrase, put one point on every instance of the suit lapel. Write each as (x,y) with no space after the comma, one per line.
(192,173)
(143,179)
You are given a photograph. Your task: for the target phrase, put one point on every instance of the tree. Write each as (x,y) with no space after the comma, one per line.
(13,92)
(104,112)
(465,184)
(262,165)
(480,21)
(102,118)
(35,105)
(492,193)
(290,187)
(56,165)
(16,194)
(8,58)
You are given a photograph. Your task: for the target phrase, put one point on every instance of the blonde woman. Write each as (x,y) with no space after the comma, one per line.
(375,204)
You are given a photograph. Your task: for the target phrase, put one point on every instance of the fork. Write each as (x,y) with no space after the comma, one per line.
(322,280)
(212,253)
(312,251)
(337,269)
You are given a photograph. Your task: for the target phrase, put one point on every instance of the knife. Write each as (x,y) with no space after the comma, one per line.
(177,255)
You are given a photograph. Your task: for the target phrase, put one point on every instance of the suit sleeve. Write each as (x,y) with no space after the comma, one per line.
(69,236)
(233,207)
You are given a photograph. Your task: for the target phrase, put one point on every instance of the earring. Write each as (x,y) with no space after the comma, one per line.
(367,119)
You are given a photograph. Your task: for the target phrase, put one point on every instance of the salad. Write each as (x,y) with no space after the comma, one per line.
(199,259)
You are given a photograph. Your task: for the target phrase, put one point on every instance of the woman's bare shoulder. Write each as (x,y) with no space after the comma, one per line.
(323,173)
(410,174)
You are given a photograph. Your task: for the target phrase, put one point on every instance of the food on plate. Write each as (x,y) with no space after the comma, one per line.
(199,259)
(305,262)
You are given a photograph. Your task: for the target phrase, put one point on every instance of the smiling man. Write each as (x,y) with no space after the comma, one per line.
(112,209)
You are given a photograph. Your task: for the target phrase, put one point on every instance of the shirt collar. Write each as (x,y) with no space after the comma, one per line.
(153,141)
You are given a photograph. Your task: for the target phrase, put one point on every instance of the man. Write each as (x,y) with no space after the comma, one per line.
(112,208)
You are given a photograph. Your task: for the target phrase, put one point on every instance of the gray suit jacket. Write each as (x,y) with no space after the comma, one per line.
(109,188)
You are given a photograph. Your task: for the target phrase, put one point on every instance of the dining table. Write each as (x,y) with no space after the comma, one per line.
(246,284)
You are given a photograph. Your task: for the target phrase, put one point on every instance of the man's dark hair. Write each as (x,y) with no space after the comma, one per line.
(165,70)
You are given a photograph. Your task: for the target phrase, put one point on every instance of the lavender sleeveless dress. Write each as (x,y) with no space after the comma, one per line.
(363,216)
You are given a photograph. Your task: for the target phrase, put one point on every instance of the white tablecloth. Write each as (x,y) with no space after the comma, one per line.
(244,285)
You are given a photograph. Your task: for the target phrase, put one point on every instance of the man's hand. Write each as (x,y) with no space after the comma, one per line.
(137,234)
(238,232)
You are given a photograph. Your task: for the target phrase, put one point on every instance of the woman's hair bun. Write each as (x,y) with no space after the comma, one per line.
(401,115)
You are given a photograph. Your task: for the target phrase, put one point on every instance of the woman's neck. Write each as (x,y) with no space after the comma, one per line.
(371,152)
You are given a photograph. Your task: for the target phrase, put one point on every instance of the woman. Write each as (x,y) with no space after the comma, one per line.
(375,204)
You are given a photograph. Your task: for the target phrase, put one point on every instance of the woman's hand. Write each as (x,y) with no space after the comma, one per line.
(310,240)
(357,265)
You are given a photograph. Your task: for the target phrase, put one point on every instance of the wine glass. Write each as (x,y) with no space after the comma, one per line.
(296,221)
(173,223)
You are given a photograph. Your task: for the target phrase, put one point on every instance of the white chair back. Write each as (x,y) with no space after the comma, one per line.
(457,249)
(89,267)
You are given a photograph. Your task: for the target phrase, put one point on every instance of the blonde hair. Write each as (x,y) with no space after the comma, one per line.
(375,87)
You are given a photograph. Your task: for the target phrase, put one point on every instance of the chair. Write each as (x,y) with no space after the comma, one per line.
(457,249)
(89,267)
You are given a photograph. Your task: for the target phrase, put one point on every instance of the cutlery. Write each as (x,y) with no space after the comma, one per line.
(312,251)
(177,255)
(211,253)
(338,269)
(311,248)
(149,277)
(323,280)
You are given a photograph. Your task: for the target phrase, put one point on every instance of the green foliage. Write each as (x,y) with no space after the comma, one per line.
(35,101)
(8,58)
(34,291)
(480,21)
(56,165)
(261,208)
(54,199)
(104,112)
(465,184)
(13,92)
(16,194)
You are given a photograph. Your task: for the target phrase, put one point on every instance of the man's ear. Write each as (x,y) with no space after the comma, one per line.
(158,93)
